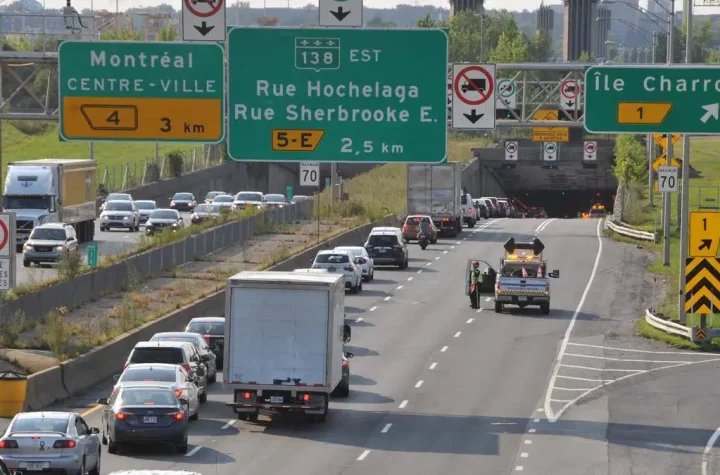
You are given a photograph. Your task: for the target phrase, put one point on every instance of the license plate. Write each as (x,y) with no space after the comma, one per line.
(522,299)
(35,466)
(331,269)
(382,251)
(150,420)
(276,399)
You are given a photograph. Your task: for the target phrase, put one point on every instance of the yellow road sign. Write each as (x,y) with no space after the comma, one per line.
(549,134)
(661,139)
(642,113)
(296,140)
(704,233)
(702,285)
(656,186)
(700,334)
(143,118)
(662,160)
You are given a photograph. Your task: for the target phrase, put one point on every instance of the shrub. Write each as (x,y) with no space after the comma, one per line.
(175,163)
(69,265)
(31,127)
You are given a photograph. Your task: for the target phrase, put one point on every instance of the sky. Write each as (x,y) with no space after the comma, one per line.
(517,5)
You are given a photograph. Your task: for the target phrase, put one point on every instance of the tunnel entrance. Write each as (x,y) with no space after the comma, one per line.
(568,203)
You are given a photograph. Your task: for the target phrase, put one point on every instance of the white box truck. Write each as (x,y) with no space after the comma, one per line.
(284,335)
(435,190)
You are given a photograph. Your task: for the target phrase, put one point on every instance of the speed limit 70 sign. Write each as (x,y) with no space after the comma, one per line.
(310,174)
(668,179)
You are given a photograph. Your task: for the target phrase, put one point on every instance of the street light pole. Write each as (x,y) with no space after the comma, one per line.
(669,147)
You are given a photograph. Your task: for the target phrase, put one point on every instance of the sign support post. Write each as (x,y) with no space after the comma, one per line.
(684,213)
(667,203)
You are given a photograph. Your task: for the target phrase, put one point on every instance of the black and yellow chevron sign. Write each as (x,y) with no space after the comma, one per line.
(700,334)
(702,285)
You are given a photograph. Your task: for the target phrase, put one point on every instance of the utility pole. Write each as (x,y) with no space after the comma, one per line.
(669,148)
(685,212)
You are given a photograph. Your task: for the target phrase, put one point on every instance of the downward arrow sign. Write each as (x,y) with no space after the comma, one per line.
(473,116)
(340,14)
(203,29)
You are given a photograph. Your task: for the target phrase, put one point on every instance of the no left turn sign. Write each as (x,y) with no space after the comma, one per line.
(569,89)
(474,85)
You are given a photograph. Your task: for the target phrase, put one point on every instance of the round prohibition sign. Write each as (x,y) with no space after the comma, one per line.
(511,147)
(464,84)
(5,234)
(569,89)
(506,88)
(215,6)
(590,147)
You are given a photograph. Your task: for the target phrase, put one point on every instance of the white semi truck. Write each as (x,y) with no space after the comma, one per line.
(284,336)
(52,190)
(435,190)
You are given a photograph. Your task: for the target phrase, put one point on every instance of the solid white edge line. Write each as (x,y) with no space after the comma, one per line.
(637,351)
(708,448)
(552,417)
(195,450)
(403,404)
(229,424)
(363,455)
(386,429)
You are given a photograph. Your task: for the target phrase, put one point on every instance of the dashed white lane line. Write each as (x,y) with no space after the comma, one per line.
(528,442)
(410,278)
(532,431)
(479,310)
(420,271)
(432,366)
(386,429)
(457,334)
(452,247)
(358,320)
(419,383)
(229,424)
(445,252)
(524,455)
(536,420)
(464,239)
(428,263)
(438,257)
(399,287)
(403,404)
(457,242)
(195,450)
(387,298)
(372,309)
(444,349)
(470,320)
(540,409)
(488,299)
(363,455)
(519,468)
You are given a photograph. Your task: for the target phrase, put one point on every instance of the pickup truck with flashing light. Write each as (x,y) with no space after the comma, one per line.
(522,279)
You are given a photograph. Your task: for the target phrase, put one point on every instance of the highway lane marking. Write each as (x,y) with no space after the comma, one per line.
(479,310)
(420,271)
(585,379)
(428,263)
(410,278)
(532,431)
(399,287)
(519,468)
(444,349)
(571,389)
(452,247)
(470,320)
(540,409)
(708,448)
(524,455)
(229,424)
(445,252)
(457,242)
(488,299)
(552,416)
(387,298)
(561,400)
(372,309)
(432,366)
(528,442)
(195,450)
(637,351)
(419,383)
(363,455)
(457,334)
(386,429)
(438,257)
(358,320)
(625,360)
(503,423)
(600,369)
(536,420)
(91,410)
(403,404)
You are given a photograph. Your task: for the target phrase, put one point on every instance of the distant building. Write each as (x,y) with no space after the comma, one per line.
(457,6)
(579,28)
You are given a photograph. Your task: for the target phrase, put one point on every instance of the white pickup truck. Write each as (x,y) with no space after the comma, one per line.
(523,279)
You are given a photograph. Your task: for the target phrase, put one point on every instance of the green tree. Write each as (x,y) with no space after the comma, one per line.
(540,48)
(586,57)
(703,39)
(510,49)
(630,161)
(167,34)
(125,34)
(426,22)
(377,22)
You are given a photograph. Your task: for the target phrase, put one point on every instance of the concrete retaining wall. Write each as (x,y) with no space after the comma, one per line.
(79,374)
(114,278)
(481,181)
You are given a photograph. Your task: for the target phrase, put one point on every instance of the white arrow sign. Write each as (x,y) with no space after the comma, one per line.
(550,151)
(511,151)
(203,20)
(590,149)
(711,110)
(348,13)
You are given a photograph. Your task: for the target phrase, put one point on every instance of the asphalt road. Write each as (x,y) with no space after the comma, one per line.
(437,387)
(109,243)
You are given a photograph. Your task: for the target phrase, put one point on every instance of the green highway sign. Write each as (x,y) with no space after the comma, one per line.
(92,254)
(682,99)
(337,95)
(141,91)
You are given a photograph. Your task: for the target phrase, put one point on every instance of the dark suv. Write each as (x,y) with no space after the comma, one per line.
(213,330)
(536,212)
(387,248)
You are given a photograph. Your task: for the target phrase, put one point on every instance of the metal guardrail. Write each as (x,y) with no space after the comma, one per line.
(667,325)
(630,232)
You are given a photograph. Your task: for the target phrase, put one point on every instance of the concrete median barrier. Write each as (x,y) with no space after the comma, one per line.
(45,388)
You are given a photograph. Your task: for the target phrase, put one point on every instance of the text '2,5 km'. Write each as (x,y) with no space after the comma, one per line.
(141,91)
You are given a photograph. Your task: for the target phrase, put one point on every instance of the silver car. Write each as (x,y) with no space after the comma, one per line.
(116,197)
(50,242)
(51,441)
(225,202)
(248,199)
(153,374)
(162,219)
(145,209)
(276,201)
(120,214)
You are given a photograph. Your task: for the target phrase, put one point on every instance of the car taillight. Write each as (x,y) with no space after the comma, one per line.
(121,416)
(178,393)
(186,367)
(445,220)
(207,338)
(8,444)
(247,395)
(349,268)
(469,210)
(64,444)
(344,363)
(178,416)
(305,397)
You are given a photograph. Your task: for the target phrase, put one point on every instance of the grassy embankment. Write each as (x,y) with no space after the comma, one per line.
(705,160)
